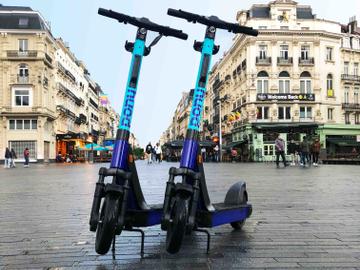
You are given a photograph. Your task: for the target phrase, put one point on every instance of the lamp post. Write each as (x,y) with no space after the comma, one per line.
(220,100)
(91,155)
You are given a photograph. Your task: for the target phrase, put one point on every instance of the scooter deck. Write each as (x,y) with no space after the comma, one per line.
(223,214)
(144,217)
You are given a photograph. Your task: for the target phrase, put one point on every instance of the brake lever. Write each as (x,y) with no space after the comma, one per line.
(153,43)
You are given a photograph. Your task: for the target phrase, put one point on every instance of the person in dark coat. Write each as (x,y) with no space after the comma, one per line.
(293,149)
(7,158)
(26,157)
(149,151)
(13,157)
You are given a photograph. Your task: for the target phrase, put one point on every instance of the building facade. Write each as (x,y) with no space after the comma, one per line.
(48,101)
(298,77)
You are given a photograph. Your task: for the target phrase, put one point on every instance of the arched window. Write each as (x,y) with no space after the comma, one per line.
(262,82)
(23,70)
(329,85)
(284,82)
(305,83)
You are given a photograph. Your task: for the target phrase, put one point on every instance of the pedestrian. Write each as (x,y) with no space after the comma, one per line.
(26,157)
(7,158)
(233,154)
(158,152)
(305,150)
(316,151)
(216,153)
(149,150)
(292,149)
(280,151)
(13,157)
(203,154)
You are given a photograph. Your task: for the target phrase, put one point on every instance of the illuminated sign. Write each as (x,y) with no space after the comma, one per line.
(285,97)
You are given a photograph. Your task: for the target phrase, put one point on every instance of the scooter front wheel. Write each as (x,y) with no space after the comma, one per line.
(237,225)
(176,228)
(106,228)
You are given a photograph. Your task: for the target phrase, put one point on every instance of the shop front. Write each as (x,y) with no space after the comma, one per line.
(69,144)
(257,140)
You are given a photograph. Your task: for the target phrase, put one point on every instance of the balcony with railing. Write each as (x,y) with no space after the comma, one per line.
(351,106)
(263,61)
(310,61)
(282,61)
(21,54)
(348,77)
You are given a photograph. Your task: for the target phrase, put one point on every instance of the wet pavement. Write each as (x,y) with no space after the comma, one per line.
(302,218)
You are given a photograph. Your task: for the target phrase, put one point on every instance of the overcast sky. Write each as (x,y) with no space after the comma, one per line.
(171,68)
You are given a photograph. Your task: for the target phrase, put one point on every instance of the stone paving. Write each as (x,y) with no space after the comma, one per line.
(302,218)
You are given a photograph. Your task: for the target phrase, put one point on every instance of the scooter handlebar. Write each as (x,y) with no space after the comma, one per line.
(143,23)
(212,21)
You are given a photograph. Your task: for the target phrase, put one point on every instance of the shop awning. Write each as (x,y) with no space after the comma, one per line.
(284,125)
(180,143)
(233,144)
(343,142)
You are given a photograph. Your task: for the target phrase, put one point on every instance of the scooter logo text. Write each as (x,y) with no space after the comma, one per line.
(196,110)
(127,111)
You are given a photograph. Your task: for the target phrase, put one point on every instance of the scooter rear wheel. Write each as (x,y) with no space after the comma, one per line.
(237,225)
(177,227)
(106,228)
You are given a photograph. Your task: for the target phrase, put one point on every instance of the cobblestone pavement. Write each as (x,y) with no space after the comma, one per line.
(302,218)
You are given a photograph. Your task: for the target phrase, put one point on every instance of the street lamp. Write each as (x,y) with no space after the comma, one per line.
(91,156)
(219,101)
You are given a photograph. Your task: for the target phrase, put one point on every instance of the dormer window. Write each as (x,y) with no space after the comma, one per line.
(23,22)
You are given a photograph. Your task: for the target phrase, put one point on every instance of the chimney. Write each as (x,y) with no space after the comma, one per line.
(352,24)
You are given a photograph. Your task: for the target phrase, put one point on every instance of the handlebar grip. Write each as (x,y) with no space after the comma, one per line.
(112,14)
(237,29)
(177,34)
(176,13)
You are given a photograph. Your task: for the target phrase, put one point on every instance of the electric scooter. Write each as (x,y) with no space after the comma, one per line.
(187,205)
(122,203)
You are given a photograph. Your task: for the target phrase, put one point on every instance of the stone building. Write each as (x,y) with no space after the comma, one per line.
(298,77)
(27,87)
(48,101)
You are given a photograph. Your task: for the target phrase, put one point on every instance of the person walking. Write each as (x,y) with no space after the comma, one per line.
(158,152)
(13,157)
(216,153)
(7,158)
(292,149)
(280,151)
(316,151)
(149,150)
(305,149)
(203,153)
(26,157)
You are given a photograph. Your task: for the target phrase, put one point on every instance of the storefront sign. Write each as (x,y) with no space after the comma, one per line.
(286,97)
(72,136)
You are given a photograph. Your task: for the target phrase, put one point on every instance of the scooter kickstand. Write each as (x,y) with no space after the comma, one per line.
(208,238)
(113,248)
(142,238)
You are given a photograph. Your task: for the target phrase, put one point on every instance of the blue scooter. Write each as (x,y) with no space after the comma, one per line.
(122,203)
(187,205)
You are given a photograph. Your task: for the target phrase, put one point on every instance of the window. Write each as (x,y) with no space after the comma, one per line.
(356,96)
(284,51)
(346,95)
(356,69)
(284,82)
(305,52)
(23,45)
(19,147)
(263,82)
(262,113)
(305,112)
(329,85)
(330,113)
(346,68)
(20,124)
(23,70)
(262,51)
(357,118)
(284,113)
(269,150)
(23,22)
(329,54)
(305,83)
(22,98)
(347,118)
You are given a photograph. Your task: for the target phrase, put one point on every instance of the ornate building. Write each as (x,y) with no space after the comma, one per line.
(298,77)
